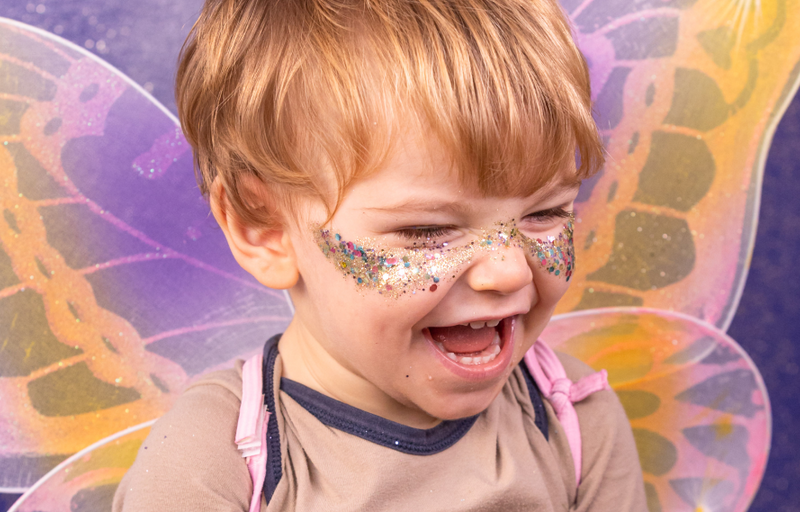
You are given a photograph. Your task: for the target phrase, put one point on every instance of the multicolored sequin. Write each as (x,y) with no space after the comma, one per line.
(398,271)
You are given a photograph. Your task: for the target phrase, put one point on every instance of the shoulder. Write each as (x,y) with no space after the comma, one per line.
(601,413)
(600,407)
(611,478)
(574,367)
(229,380)
(189,461)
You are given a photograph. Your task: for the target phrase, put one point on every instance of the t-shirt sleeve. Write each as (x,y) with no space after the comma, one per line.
(611,479)
(189,462)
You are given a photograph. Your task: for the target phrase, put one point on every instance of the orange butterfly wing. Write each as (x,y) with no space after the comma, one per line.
(698,406)
(688,94)
(115,288)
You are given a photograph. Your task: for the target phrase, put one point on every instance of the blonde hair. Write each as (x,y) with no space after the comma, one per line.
(307,96)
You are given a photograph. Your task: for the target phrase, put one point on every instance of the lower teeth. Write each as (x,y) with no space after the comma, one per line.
(486,356)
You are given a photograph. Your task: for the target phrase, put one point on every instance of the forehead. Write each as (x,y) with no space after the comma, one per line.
(420,172)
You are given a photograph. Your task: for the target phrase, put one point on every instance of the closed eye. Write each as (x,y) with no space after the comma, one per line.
(550,214)
(424,232)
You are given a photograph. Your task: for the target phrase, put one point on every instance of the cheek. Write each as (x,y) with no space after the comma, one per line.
(555,256)
(394,273)
(345,307)
(416,274)
(553,263)
(550,288)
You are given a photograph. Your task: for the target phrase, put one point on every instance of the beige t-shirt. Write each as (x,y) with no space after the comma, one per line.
(499,460)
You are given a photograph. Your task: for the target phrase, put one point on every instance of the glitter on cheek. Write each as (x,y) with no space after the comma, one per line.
(556,254)
(394,272)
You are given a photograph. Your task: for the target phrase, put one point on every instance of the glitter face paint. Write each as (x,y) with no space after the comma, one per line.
(394,272)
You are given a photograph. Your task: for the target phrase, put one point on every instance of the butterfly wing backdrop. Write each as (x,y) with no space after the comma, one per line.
(115,289)
(687,95)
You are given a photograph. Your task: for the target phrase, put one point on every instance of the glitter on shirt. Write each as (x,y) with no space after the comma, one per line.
(398,271)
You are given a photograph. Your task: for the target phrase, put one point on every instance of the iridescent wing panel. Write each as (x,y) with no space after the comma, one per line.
(697,404)
(116,286)
(687,95)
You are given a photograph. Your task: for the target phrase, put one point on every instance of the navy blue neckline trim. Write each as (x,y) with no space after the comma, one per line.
(274,470)
(540,415)
(344,417)
(363,424)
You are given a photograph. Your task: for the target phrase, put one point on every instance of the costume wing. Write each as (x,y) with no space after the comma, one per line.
(116,287)
(687,96)
(87,480)
(115,290)
(698,406)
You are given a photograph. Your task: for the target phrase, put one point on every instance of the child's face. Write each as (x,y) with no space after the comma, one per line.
(400,342)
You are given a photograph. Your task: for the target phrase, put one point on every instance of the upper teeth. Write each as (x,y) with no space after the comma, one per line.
(481,325)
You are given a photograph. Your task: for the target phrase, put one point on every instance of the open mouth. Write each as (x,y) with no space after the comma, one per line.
(473,344)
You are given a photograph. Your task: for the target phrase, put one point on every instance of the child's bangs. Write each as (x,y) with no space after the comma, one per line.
(506,93)
(310,96)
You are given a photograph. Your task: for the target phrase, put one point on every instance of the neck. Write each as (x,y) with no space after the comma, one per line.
(305,360)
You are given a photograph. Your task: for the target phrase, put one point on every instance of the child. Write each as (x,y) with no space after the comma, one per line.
(406,169)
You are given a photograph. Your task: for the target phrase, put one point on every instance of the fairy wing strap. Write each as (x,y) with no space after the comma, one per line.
(561,392)
(251,431)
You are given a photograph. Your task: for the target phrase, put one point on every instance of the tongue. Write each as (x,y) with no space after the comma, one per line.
(461,339)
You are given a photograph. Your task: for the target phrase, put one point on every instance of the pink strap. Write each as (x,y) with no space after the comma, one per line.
(549,375)
(251,431)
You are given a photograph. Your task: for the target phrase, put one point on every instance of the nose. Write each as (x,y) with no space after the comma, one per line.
(505,271)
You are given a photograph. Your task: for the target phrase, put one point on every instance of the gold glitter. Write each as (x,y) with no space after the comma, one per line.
(397,271)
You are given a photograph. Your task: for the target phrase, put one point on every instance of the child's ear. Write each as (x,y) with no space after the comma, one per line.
(267,254)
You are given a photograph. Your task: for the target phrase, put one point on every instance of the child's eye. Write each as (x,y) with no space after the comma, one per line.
(424,232)
(549,215)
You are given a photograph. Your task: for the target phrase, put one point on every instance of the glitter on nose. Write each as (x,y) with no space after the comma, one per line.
(374,267)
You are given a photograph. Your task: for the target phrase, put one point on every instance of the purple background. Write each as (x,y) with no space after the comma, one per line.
(142,40)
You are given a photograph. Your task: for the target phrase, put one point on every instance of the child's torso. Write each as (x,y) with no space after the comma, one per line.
(336,458)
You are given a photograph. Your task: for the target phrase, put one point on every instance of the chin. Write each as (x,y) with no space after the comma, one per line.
(454,406)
